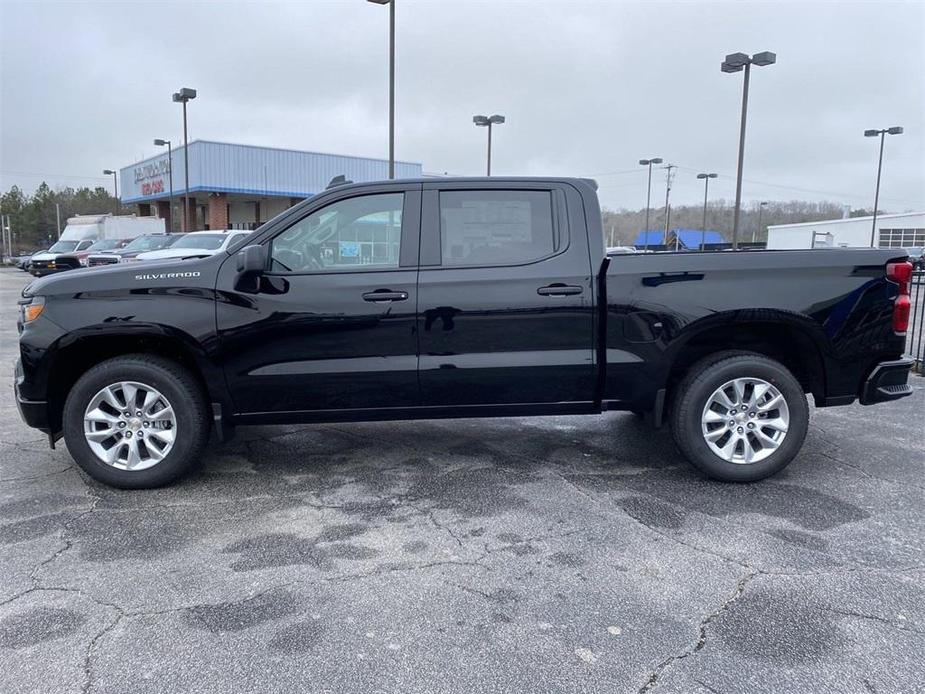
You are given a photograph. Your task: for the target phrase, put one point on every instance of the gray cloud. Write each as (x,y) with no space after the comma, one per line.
(587,88)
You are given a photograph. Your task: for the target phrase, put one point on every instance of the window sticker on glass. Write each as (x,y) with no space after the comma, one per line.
(349,249)
(495,227)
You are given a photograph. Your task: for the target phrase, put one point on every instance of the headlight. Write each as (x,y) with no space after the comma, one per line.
(31,308)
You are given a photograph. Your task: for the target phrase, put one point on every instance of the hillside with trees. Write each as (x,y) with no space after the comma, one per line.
(622,226)
(33,218)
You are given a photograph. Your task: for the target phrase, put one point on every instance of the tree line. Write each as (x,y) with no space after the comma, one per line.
(622,227)
(34,218)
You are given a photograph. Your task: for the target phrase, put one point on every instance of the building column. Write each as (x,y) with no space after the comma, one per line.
(144,209)
(218,211)
(191,221)
(163,211)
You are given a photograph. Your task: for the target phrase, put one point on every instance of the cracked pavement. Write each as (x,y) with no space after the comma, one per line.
(555,554)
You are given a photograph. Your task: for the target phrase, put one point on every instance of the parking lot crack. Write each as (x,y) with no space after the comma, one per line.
(382,570)
(652,681)
(883,620)
(88,660)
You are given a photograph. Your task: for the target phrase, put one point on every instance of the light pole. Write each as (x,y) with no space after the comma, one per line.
(648,162)
(184,96)
(488,121)
(669,167)
(895,130)
(160,143)
(115,185)
(391,4)
(706,188)
(761,207)
(735,62)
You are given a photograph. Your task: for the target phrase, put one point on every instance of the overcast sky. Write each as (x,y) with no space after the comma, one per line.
(588,88)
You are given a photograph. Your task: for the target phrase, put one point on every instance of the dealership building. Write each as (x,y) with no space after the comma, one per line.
(239,186)
(892,231)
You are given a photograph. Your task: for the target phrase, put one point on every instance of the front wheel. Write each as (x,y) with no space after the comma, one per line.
(136,421)
(739,417)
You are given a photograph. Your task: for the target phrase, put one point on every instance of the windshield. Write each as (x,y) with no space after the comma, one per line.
(207,241)
(105,245)
(63,247)
(149,243)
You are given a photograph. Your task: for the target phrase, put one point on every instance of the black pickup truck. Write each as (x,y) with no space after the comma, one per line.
(480,297)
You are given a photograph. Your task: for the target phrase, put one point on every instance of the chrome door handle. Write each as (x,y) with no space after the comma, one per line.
(559,290)
(380,296)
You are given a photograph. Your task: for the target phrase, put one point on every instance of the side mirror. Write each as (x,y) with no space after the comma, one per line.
(252,260)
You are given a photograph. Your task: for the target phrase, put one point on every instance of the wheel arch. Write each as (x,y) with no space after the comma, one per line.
(792,339)
(79,351)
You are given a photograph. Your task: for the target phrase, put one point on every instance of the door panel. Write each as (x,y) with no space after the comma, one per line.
(325,330)
(504,334)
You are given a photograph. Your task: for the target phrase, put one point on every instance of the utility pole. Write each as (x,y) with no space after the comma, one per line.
(669,167)
(58,217)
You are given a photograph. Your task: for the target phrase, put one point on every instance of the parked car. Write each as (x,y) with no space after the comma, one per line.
(456,298)
(77,259)
(132,250)
(917,257)
(197,244)
(47,263)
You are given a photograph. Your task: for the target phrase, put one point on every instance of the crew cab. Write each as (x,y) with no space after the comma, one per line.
(452,297)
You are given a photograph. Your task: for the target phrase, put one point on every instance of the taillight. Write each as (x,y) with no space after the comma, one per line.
(901,273)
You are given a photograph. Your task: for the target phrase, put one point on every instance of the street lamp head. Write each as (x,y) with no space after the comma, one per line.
(185,94)
(895,130)
(160,143)
(728,67)
(380,2)
(736,61)
(764,58)
(108,172)
(480,120)
(496,119)
(707,175)
(871,133)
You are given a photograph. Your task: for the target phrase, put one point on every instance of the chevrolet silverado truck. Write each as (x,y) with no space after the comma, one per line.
(481,297)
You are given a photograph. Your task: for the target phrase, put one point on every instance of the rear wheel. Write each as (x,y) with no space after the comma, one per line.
(739,417)
(136,421)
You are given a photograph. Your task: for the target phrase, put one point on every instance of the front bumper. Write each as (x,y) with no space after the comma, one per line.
(33,412)
(43,271)
(888,381)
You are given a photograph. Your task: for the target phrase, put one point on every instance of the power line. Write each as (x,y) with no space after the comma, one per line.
(842,194)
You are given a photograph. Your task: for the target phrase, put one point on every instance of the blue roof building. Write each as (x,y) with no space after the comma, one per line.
(241,186)
(689,238)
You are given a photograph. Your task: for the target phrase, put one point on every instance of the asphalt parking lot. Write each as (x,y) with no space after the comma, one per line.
(514,555)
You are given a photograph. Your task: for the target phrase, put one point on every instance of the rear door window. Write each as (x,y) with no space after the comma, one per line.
(496,227)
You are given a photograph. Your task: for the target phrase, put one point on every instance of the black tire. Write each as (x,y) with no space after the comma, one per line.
(176,384)
(690,398)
